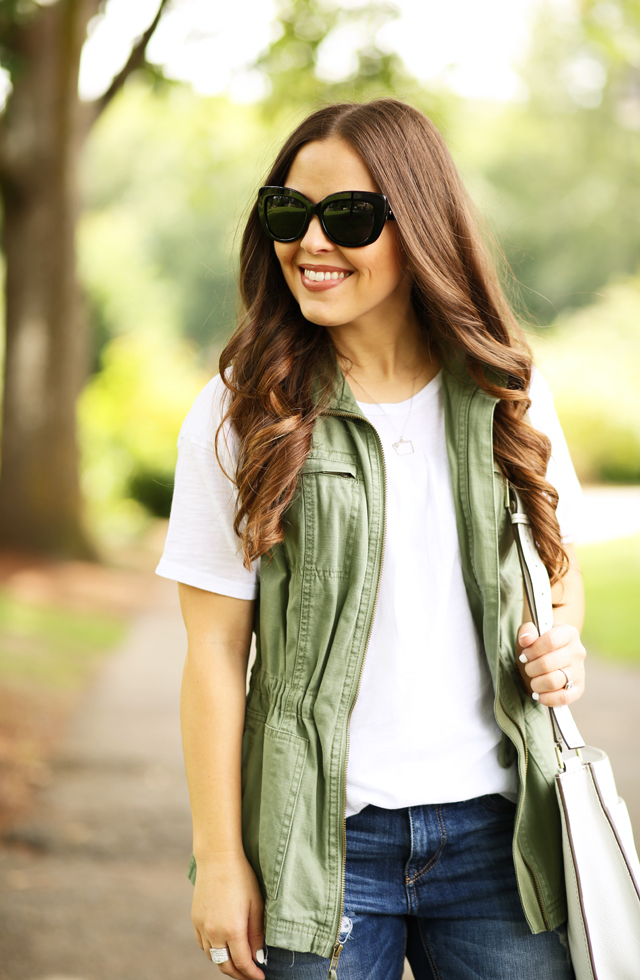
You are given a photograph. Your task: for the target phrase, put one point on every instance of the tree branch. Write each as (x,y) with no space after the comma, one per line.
(136,60)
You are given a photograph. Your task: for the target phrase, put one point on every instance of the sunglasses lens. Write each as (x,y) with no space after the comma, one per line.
(349,222)
(285,217)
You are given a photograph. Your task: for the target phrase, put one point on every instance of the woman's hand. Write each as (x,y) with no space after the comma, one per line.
(227,910)
(544,656)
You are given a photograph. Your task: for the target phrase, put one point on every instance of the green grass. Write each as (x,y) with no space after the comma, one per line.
(51,647)
(611,572)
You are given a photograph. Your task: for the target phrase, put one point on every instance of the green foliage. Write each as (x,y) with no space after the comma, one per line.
(558,173)
(291,61)
(591,359)
(166,177)
(613,28)
(14,14)
(611,571)
(152,489)
(129,418)
(49,646)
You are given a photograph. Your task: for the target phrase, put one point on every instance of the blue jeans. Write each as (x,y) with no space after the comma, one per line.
(435,883)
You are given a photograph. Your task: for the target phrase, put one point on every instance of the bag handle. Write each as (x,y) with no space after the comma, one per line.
(538,592)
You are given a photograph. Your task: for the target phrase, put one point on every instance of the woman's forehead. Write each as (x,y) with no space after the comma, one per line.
(327,167)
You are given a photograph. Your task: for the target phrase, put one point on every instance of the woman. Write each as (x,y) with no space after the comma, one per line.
(369,409)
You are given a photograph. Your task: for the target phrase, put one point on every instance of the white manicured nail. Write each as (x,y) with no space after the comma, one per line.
(260,956)
(535,696)
(523,658)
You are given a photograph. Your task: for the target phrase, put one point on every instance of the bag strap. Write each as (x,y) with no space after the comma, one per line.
(538,592)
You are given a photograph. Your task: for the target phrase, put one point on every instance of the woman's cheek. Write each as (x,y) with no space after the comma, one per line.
(285,255)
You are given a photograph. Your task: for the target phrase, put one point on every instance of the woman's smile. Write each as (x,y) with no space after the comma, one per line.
(319,278)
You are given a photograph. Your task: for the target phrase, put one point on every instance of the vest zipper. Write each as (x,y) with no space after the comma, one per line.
(524,790)
(338,946)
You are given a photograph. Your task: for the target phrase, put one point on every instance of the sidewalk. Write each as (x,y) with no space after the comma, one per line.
(96,880)
(94,885)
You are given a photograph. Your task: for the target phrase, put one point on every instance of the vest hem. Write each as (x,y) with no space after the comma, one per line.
(296,937)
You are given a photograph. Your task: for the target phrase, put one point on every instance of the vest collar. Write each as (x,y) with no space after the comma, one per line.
(343,400)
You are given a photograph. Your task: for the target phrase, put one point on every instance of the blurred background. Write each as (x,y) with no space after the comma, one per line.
(133,135)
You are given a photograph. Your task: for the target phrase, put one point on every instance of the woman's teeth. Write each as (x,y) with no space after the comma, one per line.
(323,276)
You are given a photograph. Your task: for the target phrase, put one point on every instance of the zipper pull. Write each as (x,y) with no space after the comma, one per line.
(333,965)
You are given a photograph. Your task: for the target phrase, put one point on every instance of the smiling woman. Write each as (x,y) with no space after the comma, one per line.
(376,394)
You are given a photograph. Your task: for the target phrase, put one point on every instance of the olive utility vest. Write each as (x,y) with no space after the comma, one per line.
(318,592)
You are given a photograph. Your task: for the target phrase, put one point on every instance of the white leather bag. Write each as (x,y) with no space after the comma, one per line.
(602,871)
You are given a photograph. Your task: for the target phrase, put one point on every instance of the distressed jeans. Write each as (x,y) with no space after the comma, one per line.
(435,883)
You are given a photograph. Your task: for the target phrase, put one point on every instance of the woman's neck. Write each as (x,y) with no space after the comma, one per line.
(385,360)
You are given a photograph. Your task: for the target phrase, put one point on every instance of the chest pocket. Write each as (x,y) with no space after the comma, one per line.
(321,521)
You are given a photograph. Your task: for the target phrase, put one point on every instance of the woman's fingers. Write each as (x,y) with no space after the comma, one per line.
(569,657)
(544,658)
(551,689)
(556,638)
(228,968)
(240,964)
(256,930)
(527,634)
(242,958)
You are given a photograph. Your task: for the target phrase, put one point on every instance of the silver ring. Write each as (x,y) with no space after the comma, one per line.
(219,955)
(569,683)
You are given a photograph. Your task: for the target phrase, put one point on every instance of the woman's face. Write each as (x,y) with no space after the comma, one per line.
(374,278)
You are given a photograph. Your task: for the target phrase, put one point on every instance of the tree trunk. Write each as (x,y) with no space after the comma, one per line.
(46,363)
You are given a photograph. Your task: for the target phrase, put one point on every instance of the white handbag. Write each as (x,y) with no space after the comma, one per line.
(601,867)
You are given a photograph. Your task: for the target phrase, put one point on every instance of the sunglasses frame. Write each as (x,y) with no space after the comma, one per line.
(381,212)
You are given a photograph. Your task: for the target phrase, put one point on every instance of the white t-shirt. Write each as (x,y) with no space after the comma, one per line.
(422,729)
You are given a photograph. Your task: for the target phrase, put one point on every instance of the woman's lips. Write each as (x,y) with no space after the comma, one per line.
(319,287)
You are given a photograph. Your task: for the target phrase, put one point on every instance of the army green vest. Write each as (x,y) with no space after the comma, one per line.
(317,598)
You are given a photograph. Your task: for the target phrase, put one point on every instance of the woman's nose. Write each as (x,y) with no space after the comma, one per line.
(314,239)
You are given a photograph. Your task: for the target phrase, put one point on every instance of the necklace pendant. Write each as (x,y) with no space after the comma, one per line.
(403,447)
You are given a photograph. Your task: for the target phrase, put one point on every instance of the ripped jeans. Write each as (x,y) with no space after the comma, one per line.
(436,884)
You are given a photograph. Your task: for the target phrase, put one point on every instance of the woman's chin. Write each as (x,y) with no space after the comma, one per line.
(322,314)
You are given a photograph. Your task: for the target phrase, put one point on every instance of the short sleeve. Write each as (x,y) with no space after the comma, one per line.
(560,472)
(202,548)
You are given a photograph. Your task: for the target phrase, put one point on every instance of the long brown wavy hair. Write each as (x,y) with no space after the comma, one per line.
(279,368)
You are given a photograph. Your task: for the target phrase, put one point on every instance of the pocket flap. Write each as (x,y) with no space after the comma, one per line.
(333,467)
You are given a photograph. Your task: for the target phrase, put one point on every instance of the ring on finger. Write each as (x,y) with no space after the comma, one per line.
(569,684)
(219,955)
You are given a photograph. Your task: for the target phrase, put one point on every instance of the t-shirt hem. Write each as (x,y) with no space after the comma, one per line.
(505,787)
(209,583)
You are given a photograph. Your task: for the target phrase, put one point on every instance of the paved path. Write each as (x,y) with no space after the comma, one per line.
(94,886)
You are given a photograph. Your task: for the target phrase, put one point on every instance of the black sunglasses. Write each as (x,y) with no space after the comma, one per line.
(351,219)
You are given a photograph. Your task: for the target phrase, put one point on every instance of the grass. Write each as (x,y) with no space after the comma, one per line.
(51,647)
(611,572)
